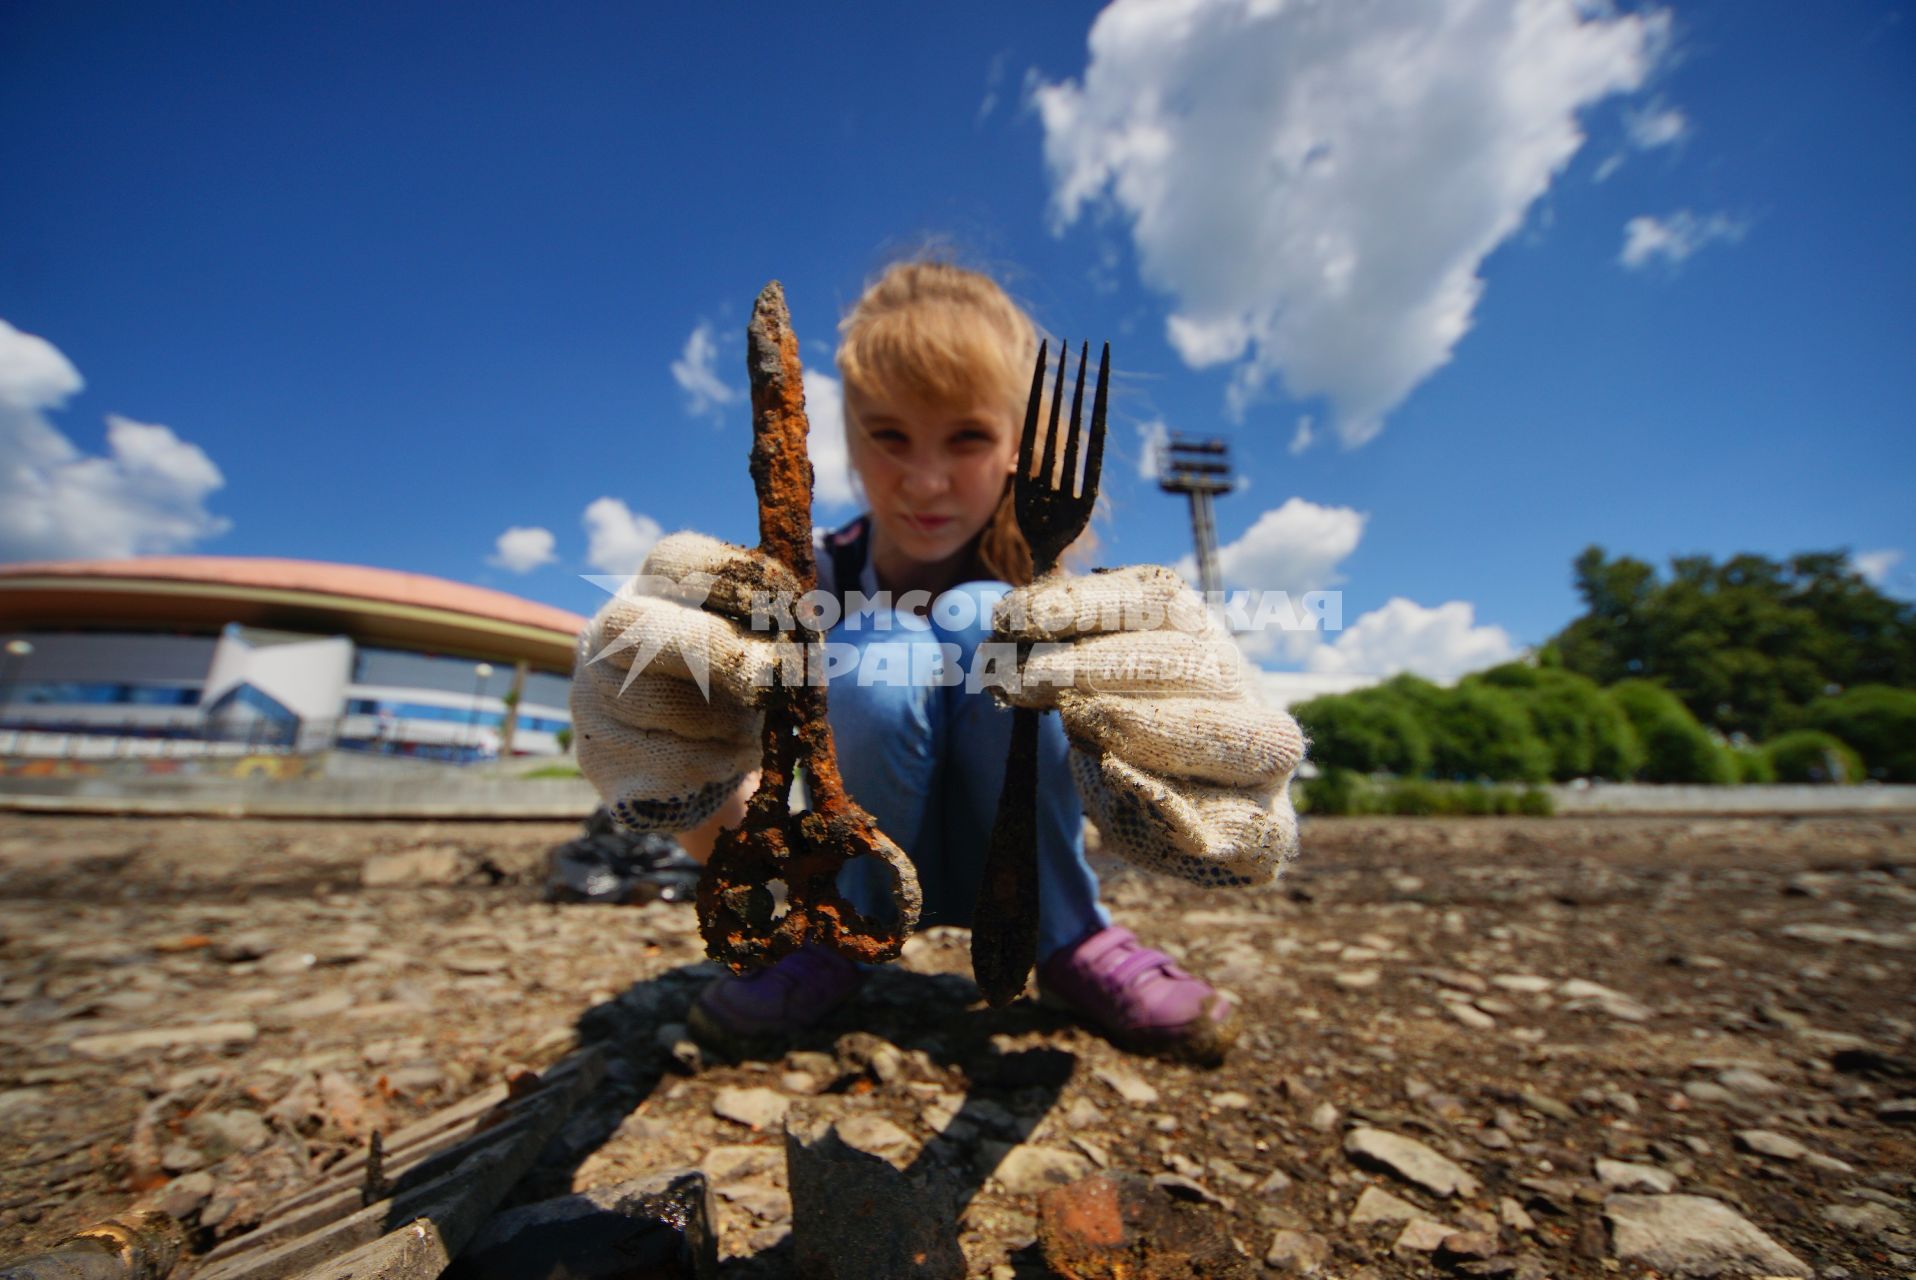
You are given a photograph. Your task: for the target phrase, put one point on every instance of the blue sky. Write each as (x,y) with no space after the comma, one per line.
(1468,284)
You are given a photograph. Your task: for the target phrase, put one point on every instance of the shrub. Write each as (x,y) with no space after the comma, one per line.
(1878,722)
(1810,755)
(1481,731)
(1585,731)
(1342,793)
(1331,792)
(1752,766)
(1366,731)
(1675,747)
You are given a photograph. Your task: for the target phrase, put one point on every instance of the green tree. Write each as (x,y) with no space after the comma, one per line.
(1746,643)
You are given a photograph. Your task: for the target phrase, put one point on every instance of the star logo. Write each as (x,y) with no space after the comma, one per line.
(646,646)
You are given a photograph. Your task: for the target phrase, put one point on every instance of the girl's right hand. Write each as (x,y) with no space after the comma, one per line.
(670,679)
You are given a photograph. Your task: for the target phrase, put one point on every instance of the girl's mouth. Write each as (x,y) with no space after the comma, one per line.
(928,524)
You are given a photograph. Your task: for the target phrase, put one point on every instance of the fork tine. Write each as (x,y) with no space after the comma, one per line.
(1051,431)
(1094,450)
(1068,478)
(1027,445)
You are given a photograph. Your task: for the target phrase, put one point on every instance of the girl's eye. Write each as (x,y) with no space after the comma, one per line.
(973,441)
(890,437)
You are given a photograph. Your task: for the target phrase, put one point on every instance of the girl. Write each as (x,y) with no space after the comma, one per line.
(935,362)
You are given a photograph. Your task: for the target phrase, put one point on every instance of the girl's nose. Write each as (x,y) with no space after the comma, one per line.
(925,482)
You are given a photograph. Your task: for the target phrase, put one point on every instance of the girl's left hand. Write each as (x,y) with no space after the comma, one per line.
(1181,766)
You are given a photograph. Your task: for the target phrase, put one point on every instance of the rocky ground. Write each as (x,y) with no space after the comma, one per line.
(1518,1047)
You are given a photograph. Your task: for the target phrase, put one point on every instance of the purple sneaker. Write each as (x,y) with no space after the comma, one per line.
(1139,997)
(743,1013)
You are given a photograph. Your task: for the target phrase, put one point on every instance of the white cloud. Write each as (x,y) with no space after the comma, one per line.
(1674,238)
(1876,566)
(994,80)
(1153,436)
(1315,185)
(617,538)
(1295,548)
(825,441)
(1305,433)
(1438,644)
(1655,126)
(521,550)
(1645,129)
(706,394)
(146,496)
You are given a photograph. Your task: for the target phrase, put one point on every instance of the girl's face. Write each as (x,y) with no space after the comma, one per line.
(933,473)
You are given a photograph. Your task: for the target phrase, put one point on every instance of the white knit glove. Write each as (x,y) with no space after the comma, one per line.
(1180,765)
(665,753)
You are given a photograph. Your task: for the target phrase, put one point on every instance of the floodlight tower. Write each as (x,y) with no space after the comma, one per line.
(1199,469)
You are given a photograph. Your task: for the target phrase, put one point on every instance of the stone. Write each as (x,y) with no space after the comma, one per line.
(221,1133)
(1622,1175)
(755,1108)
(1410,1160)
(1774,1145)
(1118,1226)
(21,1106)
(184,1196)
(210,1035)
(1544,1104)
(1513,1215)
(1128,1085)
(1611,1001)
(1749,1083)
(1298,1253)
(1897,1111)
(877,1136)
(1469,1015)
(1027,1170)
(727,1165)
(855,1217)
(763,1201)
(437,864)
(1522,983)
(1421,1235)
(1324,1117)
(1467,1246)
(659,1227)
(1871,1220)
(1684,1235)
(862,1051)
(326,1004)
(1357,979)
(1374,1204)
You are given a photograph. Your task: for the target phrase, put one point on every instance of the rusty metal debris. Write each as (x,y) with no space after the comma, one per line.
(740,916)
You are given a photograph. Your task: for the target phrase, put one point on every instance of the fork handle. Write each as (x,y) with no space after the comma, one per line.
(1004,927)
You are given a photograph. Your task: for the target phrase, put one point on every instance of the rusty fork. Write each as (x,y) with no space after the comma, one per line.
(1053,506)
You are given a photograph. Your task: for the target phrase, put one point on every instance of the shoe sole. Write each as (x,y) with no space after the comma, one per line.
(731,1044)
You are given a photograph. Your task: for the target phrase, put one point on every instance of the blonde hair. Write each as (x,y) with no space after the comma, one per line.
(936,332)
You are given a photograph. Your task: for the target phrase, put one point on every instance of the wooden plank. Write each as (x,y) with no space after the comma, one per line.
(450,1193)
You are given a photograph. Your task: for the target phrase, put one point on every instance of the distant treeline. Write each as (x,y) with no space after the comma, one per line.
(1753,670)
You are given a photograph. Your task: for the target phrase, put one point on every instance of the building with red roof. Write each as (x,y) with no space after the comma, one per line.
(287,652)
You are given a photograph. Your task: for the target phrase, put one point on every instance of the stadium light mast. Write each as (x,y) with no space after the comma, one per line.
(1199,469)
